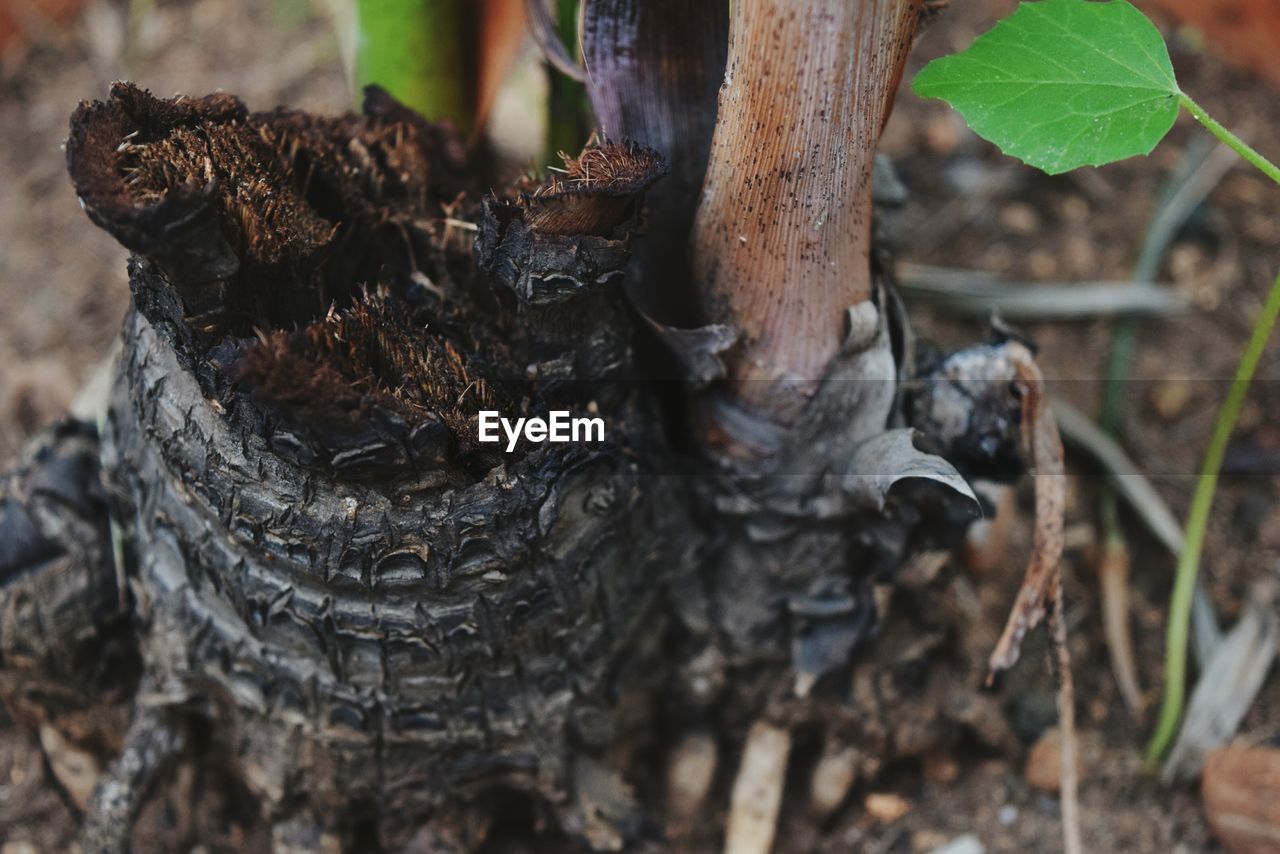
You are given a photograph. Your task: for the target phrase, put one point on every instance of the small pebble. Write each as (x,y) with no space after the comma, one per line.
(967,844)
(929,841)
(1170,398)
(1075,209)
(997,258)
(940,768)
(1078,256)
(1019,218)
(1042,264)
(941,134)
(886,807)
(1207,297)
(1268,533)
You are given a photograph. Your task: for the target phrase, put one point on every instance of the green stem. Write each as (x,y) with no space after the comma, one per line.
(567,99)
(421,52)
(1235,143)
(1175,668)
(1197,522)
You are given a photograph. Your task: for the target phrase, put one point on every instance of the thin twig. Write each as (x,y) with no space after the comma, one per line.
(1043,581)
(1070,775)
(1044,450)
(152,744)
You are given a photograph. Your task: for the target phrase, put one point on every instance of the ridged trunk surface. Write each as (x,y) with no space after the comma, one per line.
(379,646)
(387,635)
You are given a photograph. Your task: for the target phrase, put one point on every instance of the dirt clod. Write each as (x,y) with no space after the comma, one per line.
(1240,789)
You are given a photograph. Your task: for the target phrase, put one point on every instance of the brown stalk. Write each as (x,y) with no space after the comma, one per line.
(653,68)
(1043,448)
(1113,573)
(782,236)
(1042,585)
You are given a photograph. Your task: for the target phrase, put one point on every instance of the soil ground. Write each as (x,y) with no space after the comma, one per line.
(64,288)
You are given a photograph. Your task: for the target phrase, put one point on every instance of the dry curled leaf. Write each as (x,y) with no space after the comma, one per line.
(1229,681)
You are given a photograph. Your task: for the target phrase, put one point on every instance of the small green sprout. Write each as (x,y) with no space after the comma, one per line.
(1061,84)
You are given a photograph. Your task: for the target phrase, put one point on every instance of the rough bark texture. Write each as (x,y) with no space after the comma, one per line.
(65,653)
(384,617)
(370,630)
(385,648)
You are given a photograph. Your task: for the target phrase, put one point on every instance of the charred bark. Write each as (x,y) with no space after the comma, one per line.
(384,616)
(66,654)
(392,634)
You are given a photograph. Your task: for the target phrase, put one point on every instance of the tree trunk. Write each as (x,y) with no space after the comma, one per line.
(363,626)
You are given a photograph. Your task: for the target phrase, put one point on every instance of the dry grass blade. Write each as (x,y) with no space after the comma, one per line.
(974,293)
(1229,683)
(543,29)
(1138,492)
(500,36)
(1043,449)
(691,771)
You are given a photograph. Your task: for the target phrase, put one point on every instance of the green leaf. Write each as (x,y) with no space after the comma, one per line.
(1063,83)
